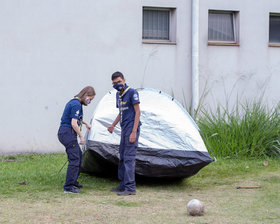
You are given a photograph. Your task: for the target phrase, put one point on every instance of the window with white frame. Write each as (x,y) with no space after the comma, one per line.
(274,28)
(158,24)
(222,27)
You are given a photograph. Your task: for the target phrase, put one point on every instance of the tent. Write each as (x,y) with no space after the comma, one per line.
(170,144)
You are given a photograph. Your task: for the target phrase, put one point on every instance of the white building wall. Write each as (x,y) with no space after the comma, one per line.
(247,71)
(50,50)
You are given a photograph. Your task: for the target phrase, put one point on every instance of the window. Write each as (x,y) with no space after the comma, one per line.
(158,25)
(222,27)
(274,29)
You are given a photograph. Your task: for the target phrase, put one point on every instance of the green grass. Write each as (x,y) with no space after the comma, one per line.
(249,131)
(42,199)
(127,204)
(40,171)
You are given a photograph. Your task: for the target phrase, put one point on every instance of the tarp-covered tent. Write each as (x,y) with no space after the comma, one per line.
(170,144)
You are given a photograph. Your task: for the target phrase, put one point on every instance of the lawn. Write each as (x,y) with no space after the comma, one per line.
(41,198)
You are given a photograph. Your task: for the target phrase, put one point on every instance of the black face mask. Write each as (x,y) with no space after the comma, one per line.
(118,87)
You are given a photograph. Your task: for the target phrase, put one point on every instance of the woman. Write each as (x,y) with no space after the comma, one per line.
(70,127)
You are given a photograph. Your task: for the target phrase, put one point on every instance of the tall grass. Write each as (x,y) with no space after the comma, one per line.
(250,130)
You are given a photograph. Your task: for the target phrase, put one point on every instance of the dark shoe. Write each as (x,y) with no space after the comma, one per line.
(74,190)
(78,185)
(117,189)
(126,193)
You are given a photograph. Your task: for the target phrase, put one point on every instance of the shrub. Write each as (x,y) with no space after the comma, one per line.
(250,130)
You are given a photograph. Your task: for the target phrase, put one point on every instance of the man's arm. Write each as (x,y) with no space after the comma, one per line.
(132,137)
(75,126)
(111,128)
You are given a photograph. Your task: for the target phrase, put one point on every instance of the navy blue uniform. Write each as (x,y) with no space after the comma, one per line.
(126,168)
(68,137)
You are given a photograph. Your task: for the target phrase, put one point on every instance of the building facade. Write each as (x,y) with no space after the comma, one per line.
(49,50)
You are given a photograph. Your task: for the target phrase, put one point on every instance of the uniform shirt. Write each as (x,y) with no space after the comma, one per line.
(127,111)
(73,109)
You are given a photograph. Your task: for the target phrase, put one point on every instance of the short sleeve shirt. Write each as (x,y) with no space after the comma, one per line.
(73,109)
(126,107)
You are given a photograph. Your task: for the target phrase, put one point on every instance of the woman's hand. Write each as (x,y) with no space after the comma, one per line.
(132,137)
(88,126)
(82,140)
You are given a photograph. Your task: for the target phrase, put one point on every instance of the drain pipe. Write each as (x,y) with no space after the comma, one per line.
(195,56)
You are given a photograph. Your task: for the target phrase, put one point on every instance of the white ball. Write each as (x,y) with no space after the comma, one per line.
(195,207)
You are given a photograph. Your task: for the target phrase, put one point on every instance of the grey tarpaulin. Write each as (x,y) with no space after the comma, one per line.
(170,144)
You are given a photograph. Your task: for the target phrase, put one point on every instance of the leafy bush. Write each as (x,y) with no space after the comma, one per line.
(250,130)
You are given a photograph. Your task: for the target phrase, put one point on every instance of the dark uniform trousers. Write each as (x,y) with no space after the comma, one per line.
(68,137)
(126,168)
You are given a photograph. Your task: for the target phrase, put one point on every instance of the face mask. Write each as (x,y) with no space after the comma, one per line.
(87,100)
(118,87)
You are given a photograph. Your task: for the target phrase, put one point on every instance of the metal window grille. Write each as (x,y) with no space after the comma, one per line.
(156,24)
(274,29)
(221,27)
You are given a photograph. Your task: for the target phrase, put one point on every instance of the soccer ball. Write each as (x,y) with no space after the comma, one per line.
(195,207)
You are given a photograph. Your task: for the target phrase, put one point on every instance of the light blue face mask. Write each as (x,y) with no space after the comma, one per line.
(118,87)
(87,100)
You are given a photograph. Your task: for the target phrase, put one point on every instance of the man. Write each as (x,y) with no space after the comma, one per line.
(129,118)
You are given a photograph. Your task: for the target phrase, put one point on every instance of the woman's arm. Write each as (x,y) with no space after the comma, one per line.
(87,125)
(75,126)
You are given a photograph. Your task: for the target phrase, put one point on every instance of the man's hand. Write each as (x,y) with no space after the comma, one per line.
(111,129)
(132,137)
(82,140)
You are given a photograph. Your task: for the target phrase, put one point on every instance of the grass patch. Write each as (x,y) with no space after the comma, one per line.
(41,174)
(127,204)
(250,130)
(42,200)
